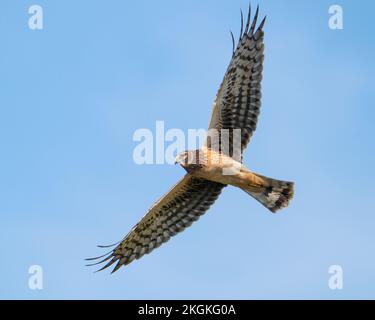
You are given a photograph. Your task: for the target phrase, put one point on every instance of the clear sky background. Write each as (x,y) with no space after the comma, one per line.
(72,95)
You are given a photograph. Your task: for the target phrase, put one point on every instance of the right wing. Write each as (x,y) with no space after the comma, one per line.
(237,104)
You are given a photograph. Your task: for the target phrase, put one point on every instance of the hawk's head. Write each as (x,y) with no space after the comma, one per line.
(190,160)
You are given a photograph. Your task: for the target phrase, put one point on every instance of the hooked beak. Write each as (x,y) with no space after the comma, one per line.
(179,158)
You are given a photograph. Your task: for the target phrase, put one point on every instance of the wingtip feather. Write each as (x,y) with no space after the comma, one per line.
(251,32)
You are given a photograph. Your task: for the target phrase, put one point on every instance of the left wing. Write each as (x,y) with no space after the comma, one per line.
(190,198)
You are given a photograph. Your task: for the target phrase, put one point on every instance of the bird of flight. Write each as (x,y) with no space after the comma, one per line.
(213,166)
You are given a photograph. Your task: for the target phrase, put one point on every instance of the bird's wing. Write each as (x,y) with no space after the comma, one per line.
(190,198)
(237,103)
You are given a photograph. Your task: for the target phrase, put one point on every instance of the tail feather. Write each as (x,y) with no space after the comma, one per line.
(275,195)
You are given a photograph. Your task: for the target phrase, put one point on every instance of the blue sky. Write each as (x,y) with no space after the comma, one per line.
(73,94)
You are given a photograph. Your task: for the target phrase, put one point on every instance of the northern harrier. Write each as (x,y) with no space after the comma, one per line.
(236,106)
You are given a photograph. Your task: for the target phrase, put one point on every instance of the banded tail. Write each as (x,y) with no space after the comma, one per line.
(275,195)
